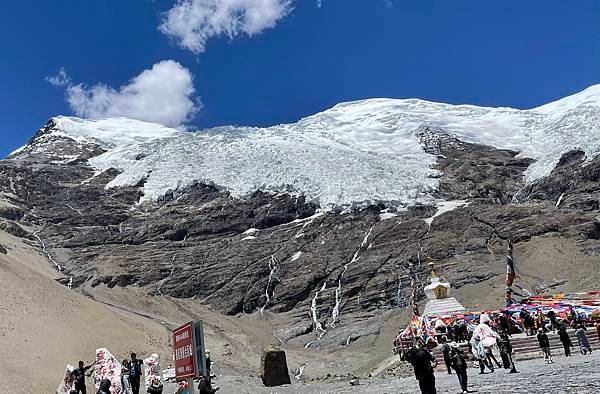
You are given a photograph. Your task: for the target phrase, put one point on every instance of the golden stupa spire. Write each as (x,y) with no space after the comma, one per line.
(431,266)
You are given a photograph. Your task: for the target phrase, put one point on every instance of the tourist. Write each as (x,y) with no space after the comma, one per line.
(78,376)
(183,387)
(527,321)
(506,352)
(135,373)
(156,386)
(459,363)
(423,363)
(440,328)
(478,352)
(565,339)
(450,334)
(489,355)
(125,383)
(584,343)
(544,345)
(446,353)
(505,348)
(456,334)
(553,322)
(503,323)
(460,331)
(540,320)
(208,362)
(205,386)
(104,387)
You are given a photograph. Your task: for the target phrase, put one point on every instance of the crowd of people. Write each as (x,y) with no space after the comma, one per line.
(492,333)
(131,374)
(131,377)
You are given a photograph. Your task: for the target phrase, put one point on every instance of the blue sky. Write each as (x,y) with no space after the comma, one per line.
(503,53)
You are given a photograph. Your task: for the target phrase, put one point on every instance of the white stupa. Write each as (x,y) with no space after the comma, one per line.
(437,291)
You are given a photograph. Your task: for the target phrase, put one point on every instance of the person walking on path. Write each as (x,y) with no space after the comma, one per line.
(135,373)
(545,345)
(584,343)
(423,363)
(478,352)
(459,363)
(446,353)
(489,355)
(78,376)
(506,353)
(565,339)
(505,348)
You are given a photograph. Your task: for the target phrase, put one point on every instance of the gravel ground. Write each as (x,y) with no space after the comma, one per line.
(578,374)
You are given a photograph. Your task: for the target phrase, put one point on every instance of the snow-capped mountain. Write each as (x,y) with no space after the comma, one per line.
(236,219)
(356,152)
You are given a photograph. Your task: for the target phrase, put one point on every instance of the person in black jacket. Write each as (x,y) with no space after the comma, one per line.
(446,354)
(544,345)
(135,373)
(505,348)
(104,387)
(565,339)
(78,376)
(206,387)
(553,322)
(423,362)
(503,323)
(459,363)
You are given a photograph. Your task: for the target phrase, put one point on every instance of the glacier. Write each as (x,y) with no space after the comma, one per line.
(357,152)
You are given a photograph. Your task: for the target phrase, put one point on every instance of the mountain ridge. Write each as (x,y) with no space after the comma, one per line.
(359,152)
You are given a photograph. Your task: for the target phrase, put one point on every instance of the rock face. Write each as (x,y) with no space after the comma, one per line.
(273,367)
(331,274)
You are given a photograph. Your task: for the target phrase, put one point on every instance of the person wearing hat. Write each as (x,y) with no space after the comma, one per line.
(544,345)
(459,364)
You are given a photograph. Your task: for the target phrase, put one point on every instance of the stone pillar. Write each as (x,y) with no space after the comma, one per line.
(273,367)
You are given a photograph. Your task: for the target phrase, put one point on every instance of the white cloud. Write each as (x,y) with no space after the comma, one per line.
(193,22)
(163,94)
(61,79)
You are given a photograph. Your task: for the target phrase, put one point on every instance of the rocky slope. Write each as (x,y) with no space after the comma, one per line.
(325,276)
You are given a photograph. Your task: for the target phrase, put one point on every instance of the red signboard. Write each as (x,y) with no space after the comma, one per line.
(184,351)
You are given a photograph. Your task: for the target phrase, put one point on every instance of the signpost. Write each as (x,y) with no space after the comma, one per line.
(188,352)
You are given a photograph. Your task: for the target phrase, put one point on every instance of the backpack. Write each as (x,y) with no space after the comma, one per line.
(457,359)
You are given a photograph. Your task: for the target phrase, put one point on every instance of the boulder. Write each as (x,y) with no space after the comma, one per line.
(273,367)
